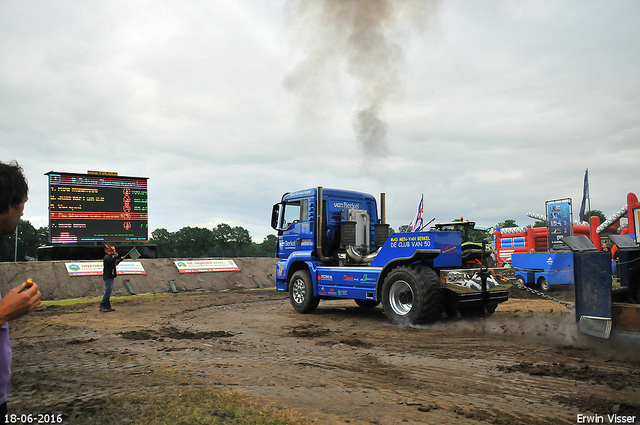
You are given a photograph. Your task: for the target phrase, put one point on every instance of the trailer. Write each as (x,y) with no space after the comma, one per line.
(543,269)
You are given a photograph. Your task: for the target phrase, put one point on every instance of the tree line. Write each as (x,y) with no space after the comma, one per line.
(221,241)
(188,242)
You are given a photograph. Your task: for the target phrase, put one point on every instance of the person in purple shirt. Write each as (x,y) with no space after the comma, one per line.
(22,299)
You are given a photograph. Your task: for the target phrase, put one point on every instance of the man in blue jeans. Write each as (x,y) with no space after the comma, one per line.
(109,263)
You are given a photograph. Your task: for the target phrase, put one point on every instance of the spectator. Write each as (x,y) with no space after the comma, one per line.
(22,299)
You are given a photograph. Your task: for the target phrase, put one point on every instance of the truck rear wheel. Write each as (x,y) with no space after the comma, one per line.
(301,292)
(411,295)
(543,284)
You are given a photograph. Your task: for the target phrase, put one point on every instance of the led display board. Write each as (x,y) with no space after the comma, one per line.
(97,207)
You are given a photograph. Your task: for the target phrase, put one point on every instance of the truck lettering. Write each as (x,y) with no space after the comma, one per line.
(346,205)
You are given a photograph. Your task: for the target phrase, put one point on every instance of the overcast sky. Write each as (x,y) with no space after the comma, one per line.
(487,108)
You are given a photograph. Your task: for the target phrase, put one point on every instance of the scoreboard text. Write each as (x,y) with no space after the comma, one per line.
(95,208)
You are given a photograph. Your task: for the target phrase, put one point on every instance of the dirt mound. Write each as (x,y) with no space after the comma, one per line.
(172,332)
(56,284)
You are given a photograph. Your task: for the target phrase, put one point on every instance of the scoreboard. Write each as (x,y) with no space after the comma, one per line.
(97,207)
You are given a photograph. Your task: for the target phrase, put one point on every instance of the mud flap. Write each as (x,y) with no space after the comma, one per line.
(592,272)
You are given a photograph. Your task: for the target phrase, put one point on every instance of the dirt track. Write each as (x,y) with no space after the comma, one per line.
(526,364)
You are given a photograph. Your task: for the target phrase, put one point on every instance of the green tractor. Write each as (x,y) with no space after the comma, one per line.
(476,250)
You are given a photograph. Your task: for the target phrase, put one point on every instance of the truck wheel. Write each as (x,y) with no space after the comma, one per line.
(543,284)
(368,304)
(301,292)
(411,295)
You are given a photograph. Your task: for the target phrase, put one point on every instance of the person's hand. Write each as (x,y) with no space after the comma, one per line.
(19,301)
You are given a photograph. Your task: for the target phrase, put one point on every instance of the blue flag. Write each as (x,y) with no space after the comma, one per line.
(585,194)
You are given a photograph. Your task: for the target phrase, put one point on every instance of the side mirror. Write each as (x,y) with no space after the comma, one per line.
(275,216)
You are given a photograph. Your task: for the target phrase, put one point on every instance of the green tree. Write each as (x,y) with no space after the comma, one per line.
(267,248)
(221,241)
(507,223)
(194,242)
(27,246)
(597,213)
(43,236)
(166,242)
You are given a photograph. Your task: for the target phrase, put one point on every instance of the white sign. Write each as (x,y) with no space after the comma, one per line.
(94,268)
(206,266)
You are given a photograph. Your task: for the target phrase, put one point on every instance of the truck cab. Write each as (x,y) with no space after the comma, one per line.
(344,220)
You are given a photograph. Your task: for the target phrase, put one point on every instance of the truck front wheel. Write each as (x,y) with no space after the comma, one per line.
(411,295)
(301,292)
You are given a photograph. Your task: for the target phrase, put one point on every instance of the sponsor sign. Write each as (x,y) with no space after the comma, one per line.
(559,217)
(94,268)
(206,266)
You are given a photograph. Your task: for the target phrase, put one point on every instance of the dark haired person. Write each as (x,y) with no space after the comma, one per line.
(22,299)
(109,263)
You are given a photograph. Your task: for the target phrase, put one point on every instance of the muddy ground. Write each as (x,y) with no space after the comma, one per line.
(526,364)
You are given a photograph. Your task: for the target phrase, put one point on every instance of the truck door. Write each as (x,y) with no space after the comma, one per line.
(294,227)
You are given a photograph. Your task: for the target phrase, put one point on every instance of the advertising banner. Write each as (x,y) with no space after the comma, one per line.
(559,221)
(94,268)
(206,266)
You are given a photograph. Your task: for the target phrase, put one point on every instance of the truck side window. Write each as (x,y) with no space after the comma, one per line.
(291,214)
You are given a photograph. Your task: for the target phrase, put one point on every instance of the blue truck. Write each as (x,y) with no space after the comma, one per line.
(543,269)
(333,244)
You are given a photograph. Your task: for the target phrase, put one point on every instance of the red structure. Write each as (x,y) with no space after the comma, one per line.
(534,239)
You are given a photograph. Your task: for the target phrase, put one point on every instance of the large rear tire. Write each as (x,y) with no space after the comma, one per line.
(301,292)
(412,295)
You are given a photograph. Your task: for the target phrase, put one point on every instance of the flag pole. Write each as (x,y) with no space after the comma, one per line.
(589,198)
